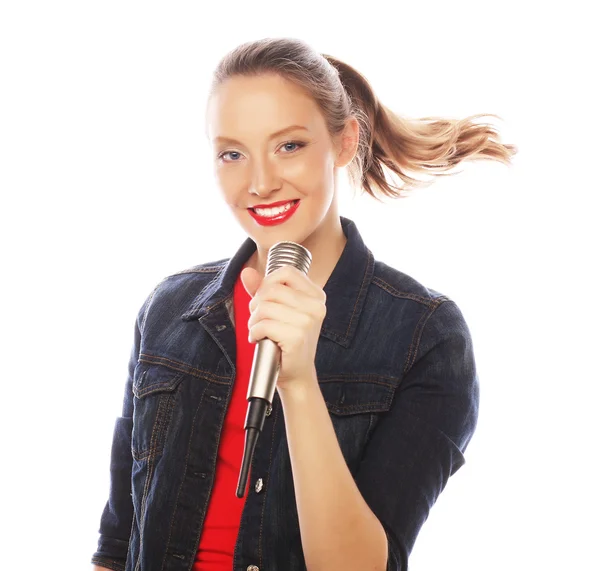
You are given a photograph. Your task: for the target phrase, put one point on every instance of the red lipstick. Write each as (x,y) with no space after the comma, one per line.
(278,218)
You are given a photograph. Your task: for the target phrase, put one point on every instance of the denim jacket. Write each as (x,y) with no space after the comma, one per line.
(395,365)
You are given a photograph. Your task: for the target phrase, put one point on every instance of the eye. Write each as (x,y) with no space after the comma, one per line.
(228,153)
(299,144)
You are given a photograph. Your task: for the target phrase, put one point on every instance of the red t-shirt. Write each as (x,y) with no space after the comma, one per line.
(222,521)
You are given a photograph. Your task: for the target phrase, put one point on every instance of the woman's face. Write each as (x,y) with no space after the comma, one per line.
(253,165)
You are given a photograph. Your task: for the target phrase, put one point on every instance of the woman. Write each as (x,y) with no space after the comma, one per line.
(377,395)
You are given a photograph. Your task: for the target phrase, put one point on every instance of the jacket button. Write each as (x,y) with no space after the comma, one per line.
(220,327)
(259,485)
(252,568)
(269,410)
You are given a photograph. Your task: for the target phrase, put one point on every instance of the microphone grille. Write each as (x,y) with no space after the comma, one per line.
(288,253)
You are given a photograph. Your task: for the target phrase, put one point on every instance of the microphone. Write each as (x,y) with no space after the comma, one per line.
(267,361)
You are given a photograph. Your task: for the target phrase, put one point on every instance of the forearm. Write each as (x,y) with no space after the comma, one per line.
(338,529)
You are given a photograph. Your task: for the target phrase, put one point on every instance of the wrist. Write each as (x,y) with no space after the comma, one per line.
(299,390)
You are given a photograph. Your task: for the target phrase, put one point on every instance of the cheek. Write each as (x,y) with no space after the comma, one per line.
(311,168)
(297,170)
(228,177)
(230,184)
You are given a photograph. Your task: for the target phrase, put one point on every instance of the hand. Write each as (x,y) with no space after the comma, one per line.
(288,308)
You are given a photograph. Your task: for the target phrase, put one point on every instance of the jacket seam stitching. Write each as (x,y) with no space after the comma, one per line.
(109,563)
(184,368)
(363,286)
(418,333)
(193,270)
(402,294)
(133,520)
(150,298)
(149,474)
(185,468)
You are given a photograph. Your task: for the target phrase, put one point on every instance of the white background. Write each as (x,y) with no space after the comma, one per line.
(107,187)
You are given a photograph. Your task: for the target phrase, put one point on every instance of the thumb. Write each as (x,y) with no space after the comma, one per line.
(251,280)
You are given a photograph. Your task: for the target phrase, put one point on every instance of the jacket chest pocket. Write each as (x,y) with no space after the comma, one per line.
(154,390)
(354,406)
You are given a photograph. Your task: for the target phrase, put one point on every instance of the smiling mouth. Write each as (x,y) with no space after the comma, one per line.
(291,203)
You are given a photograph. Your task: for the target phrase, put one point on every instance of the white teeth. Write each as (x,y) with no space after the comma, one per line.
(270,212)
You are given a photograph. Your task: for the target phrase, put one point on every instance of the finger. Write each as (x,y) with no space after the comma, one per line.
(282,313)
(277,331)
(286,296)
(291,278)
(279,293)
(296,279)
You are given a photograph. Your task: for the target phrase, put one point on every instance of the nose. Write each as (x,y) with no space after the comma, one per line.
(264,178)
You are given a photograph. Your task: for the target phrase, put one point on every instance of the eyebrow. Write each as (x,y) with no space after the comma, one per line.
(272,136)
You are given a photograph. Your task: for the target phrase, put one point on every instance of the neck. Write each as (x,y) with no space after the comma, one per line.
(325,245)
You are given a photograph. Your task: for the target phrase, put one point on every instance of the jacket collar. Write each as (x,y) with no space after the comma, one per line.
(346,288)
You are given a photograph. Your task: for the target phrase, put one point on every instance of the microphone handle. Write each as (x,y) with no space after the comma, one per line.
(264,373)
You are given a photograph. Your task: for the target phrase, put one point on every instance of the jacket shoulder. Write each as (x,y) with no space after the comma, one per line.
(408,297)
(205,268)
(404,286)
(178,289)
(191,277)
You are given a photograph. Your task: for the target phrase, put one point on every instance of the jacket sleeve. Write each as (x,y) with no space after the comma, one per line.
(419,443)
(117,517)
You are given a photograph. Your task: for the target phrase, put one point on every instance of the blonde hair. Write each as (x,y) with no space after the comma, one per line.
(425,145)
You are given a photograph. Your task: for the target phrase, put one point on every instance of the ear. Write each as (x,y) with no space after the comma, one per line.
(347,143)
(251,280)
